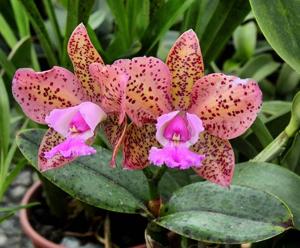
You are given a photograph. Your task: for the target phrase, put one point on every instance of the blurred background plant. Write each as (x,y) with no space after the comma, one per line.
(234,39)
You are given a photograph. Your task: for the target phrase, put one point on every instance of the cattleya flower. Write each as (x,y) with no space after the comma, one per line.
(71,105)
(175,106)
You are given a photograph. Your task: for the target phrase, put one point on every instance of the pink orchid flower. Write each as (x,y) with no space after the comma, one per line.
(195,115)
(71,105)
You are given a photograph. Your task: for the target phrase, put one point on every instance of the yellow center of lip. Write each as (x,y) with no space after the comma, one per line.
(73,129)
(176,138)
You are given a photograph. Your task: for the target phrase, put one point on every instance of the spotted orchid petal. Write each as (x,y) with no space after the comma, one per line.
(112,83)
(39,93)
(186,65)
(115,134)
(175,157)
(82,53)
(218,164)
(136,146)
(50,140)
(148,88)
(227,105)
(84,117)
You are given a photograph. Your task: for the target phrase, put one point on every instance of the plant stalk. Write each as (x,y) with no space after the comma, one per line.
(153,180)
(272,150)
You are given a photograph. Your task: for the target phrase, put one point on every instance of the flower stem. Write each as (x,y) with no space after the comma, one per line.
(153,180)
(272,150)
(261,132)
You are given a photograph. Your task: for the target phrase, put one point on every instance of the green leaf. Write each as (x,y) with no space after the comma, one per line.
(258,67)
(279,21)
(20,55)
(5,216)
(6,32)
(162,20)
(226,17)
(261,132)
(294,123)
(21,18)
(10,211)
(291,159)
(97,18)
(6,65)
(14,209)
(118,10)
(198,15)
(244,39)
(288,80)
(166,43)
(210,213)
(276,108)
(91,180)
(273,179)
(72,21)
(4,121)
(85,8)
(39,27)
(138,17)
(54,22)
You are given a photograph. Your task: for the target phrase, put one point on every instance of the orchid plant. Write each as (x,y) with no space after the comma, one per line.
(162,114)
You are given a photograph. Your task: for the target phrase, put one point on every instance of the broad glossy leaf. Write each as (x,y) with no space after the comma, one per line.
(273,179)
(258,67)
(207,212)
(279,21)
(91,180)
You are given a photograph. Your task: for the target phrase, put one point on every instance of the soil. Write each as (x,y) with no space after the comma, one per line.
(125,230)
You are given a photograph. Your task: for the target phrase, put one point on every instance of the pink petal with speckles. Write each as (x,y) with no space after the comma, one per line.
(61,119)
(71,148)
(82,53)
(218,165)
(115,134)
(227,105)
(50,140)
(186,66)
(137,143)
(148,88)
(39,93)
(175,157)
(112,81)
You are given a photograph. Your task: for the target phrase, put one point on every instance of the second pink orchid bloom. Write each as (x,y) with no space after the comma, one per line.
(71,105)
